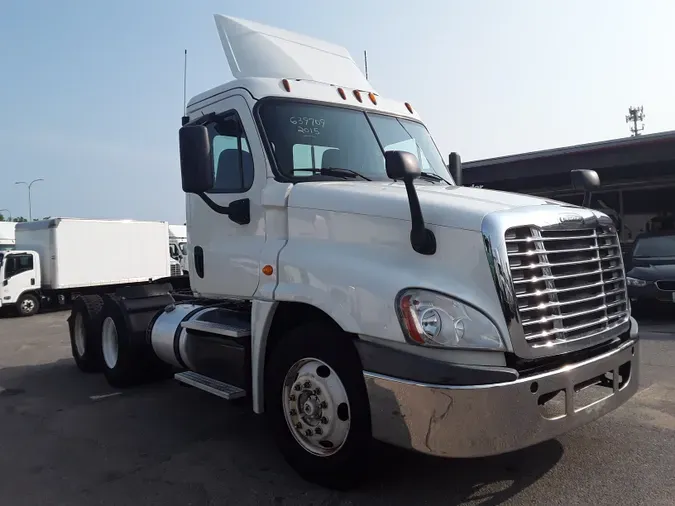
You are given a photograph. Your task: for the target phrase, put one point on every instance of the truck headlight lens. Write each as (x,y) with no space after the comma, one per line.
(432,319)
(635,282)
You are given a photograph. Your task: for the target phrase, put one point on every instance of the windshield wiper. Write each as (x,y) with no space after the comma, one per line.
(335,171)
(430,176)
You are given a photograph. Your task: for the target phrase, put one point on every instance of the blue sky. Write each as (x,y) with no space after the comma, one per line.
(91,91)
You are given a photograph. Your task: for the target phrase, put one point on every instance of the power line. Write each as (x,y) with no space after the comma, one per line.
(634,115)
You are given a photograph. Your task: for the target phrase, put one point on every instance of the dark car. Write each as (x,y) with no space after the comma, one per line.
(651,269)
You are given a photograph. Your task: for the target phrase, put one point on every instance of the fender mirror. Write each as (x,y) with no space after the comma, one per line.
(455,167)
(587,181)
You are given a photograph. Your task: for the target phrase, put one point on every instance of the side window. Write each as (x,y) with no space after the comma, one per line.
(16,264)
(232,160)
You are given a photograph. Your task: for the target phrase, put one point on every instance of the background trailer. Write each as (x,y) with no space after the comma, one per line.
(637,176)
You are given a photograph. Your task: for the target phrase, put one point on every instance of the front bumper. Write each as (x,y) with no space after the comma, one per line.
(475,421)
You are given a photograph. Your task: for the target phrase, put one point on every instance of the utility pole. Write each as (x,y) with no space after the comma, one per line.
(29,185)
(8,212)
(635,114)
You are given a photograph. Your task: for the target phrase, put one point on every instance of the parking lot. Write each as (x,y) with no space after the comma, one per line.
(69,439)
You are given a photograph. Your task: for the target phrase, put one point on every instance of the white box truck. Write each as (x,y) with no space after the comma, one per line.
(7,235)
(349,289)
(60,257)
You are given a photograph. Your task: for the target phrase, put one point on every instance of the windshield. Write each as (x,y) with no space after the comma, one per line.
(305,138)
(656,246)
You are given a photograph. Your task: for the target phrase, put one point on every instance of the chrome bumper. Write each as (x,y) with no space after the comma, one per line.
(476,421)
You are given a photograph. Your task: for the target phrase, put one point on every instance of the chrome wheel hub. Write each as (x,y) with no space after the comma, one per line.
(316,407)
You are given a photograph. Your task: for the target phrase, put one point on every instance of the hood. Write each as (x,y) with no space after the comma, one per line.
(442,205)
(653,269)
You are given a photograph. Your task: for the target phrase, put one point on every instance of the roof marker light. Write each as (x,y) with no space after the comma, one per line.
(342,93)
(287,85)
(409,107)
(357,94)
(372,97)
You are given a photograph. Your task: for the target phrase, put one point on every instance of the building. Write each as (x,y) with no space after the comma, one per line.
(637,176)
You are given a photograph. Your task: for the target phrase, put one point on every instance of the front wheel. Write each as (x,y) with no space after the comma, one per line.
(28,305)
(317,406)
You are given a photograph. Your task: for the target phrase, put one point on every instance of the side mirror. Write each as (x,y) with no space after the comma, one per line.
(587,181)
(196,164)
(401,165)
(455,167)
(404,165)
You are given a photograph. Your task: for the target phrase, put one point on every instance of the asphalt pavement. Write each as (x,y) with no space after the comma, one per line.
(67,438)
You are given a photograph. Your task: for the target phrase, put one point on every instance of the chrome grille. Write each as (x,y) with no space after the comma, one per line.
(569,284)
(176,270)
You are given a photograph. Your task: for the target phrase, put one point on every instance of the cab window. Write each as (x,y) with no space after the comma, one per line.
(232,160)
(16,264)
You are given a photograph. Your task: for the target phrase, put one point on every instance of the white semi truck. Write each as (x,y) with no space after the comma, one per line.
(57,258)
(7,235)
(178,246)
(347,288)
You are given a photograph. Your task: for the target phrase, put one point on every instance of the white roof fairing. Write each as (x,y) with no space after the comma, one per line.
(257,50)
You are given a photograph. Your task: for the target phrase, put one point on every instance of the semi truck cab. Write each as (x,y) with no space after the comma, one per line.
(348,289)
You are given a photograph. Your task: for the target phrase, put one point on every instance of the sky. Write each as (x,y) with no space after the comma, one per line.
(91,92)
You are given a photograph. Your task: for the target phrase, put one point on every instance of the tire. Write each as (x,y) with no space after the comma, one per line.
(84,325)
(127,359)
(328,355)
(28,305)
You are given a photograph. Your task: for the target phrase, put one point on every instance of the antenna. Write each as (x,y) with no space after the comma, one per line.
(635,114)
(185,118)
(365,62)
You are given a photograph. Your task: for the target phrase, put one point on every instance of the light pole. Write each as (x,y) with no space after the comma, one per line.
(30,211)
(8,212)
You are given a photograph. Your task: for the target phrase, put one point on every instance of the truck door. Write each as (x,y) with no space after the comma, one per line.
(224,255)
(19,275)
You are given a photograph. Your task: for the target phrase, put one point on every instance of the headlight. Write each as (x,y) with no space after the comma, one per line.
(635,282)
(432,319)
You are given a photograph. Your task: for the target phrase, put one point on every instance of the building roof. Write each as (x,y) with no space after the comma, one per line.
(629,151)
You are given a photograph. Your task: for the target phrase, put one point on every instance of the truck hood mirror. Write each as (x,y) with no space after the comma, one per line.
(455,167)
(404,165)
(196,163)
(587,181)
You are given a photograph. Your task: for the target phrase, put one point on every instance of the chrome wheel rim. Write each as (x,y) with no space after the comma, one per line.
(27,305)
(78,330)
(316,407)
(110,343)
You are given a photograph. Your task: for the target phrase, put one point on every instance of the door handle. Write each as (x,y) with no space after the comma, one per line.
(32,281)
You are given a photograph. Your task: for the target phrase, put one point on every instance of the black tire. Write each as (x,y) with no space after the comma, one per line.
(346,468)
(136,361)
(28,305)
(86,347)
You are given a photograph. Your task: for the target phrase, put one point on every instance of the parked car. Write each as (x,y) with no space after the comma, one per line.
(651,269)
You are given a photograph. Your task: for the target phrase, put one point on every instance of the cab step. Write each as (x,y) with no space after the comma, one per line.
(210,385)
(217,328)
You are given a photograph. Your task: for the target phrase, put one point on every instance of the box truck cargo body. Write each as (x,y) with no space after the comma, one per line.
(7,235)
(66,256)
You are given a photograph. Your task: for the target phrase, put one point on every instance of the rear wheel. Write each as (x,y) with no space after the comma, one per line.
(85,332)
(127,359)
(317,406)
(28,305)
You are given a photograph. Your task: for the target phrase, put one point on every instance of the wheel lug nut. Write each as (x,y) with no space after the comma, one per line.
(291,397)
(293,412)
(324,404)
(308,433)
(307,384)
(298,425)
(318,431)
(297,388)
(317,391)
(324,420)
